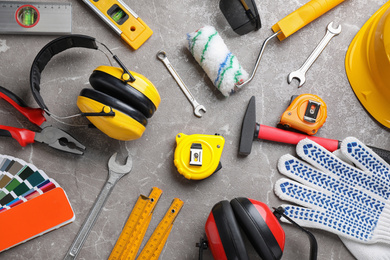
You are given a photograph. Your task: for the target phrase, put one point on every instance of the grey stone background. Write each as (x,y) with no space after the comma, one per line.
(82,177)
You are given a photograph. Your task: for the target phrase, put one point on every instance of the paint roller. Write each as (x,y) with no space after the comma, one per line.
(250,130)
(223,68)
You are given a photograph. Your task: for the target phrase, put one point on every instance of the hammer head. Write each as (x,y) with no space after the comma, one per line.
(248,128)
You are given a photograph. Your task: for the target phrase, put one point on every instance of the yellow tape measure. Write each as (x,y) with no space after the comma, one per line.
(131,237)
(156,242)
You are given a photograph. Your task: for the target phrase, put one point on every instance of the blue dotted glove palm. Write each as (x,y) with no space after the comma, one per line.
(351,202)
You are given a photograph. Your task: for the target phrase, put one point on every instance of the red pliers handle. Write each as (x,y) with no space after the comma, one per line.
(49,135)
(35,115)
(23,136)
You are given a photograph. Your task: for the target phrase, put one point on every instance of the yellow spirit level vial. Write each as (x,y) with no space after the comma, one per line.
(124,21)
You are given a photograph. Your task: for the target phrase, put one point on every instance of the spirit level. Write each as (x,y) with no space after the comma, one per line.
(124,21)
(35,18)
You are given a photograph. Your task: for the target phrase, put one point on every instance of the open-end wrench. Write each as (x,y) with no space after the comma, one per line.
(115,172)
(300,74)
(161,55)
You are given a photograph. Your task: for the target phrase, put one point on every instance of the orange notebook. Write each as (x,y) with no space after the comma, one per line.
(35,217)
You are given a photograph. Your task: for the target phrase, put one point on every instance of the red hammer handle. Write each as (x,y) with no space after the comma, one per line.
(282,136)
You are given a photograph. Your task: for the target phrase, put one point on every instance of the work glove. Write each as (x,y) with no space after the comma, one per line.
(351,201)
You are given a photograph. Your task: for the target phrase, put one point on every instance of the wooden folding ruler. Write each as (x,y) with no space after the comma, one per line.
(133,232)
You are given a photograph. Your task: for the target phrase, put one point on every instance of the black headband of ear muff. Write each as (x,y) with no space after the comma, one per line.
(47,52)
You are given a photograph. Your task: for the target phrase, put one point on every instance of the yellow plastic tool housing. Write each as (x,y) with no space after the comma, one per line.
(367,64)
(294,116)
(212,146)
(303,16)
(130,27)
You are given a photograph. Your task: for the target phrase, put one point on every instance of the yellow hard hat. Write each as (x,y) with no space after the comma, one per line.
(367,64)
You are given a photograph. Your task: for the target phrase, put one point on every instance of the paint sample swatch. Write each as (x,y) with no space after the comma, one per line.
(31,204)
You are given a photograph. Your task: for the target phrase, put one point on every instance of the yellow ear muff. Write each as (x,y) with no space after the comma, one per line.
(127,124)
(140,92)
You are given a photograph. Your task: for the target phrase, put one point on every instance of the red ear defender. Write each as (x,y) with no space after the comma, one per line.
(256,220)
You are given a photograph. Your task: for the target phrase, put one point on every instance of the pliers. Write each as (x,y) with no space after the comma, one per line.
(49,135)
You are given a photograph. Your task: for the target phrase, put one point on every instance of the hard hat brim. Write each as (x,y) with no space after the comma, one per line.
(361,80)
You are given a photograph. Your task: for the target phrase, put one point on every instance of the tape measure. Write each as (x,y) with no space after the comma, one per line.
(198,156)
(306,113)
(124,21)
(35,18)
(133,232)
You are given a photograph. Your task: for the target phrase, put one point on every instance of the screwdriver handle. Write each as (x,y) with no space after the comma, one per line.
(303,16)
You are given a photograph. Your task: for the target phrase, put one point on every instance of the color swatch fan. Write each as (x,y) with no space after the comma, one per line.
(31,204)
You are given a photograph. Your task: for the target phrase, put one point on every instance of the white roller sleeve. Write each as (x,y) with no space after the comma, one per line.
(212,54)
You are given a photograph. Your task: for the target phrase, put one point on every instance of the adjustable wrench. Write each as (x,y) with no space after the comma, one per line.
(300,74)
(115,172)
(161,55)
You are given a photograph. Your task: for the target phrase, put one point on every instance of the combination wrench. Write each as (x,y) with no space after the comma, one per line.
(115,173)
(300,74)
(161,55)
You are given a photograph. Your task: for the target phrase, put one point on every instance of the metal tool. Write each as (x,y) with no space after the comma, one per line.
(52,136)
(25,17)
(115,173)
(292,23)
(161,55)
(300,74)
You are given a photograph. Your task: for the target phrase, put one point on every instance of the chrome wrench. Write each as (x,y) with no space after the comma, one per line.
(300,74)
(161,55)
(115,172)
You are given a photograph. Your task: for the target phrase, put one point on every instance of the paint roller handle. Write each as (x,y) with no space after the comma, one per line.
(303,16)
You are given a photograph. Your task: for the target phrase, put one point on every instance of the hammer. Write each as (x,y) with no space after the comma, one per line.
(250,130)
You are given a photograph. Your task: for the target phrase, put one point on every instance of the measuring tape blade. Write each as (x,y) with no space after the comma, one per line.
(156,242)
(18,17)
(134,230)
(124,21)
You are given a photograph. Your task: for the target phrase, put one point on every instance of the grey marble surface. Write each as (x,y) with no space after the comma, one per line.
(82,177)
